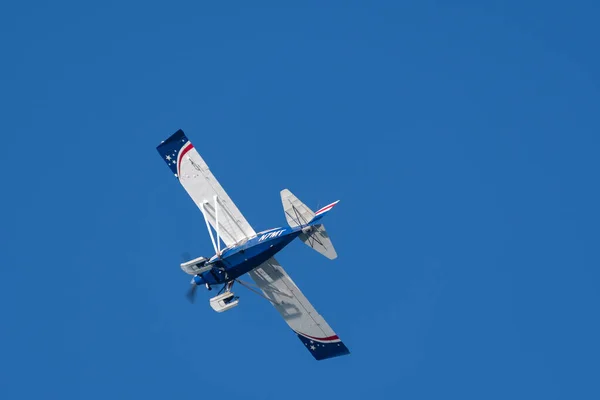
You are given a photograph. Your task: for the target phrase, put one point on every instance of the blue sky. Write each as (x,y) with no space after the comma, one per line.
(461,137)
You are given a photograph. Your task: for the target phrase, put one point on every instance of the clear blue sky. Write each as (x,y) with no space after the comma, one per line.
(461,138)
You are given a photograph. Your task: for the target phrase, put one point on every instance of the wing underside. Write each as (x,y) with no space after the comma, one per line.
(202,186)
(296,310)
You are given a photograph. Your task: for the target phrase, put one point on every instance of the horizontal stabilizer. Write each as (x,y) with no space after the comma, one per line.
(296,212)
(317,238)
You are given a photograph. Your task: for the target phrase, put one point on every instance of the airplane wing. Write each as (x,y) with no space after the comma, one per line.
(202,186)
(300,315)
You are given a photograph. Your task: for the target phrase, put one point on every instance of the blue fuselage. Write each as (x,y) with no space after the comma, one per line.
(236,261)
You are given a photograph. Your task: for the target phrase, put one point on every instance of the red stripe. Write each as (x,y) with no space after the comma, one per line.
(325,339)
(325,208)
(185,150)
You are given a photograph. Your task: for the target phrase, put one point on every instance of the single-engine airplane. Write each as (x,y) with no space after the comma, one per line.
(246,251)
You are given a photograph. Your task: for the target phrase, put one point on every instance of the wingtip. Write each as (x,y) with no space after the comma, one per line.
(324,348)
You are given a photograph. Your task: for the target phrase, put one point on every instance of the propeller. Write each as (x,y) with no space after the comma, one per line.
(197,279)
(191,293)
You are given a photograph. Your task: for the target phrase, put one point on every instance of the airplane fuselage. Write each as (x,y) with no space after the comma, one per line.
(243,258)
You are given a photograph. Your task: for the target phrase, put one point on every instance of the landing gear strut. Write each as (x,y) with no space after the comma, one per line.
(225,299)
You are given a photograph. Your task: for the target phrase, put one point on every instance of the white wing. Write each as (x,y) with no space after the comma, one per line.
(195,176)
(296,310)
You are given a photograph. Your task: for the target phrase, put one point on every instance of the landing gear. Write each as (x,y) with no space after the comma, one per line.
(208,286)
(225,300)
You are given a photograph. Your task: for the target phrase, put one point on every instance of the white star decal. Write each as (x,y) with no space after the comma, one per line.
(168,158)
(313,347)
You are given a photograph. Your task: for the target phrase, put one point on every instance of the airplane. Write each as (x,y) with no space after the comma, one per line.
(248,252)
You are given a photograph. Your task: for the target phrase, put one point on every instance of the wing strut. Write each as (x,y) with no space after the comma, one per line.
(217,226)
(208,226)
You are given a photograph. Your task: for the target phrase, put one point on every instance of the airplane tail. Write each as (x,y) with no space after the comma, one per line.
(313,232)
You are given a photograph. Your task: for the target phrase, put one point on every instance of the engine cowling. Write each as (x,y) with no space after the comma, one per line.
(198,280)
